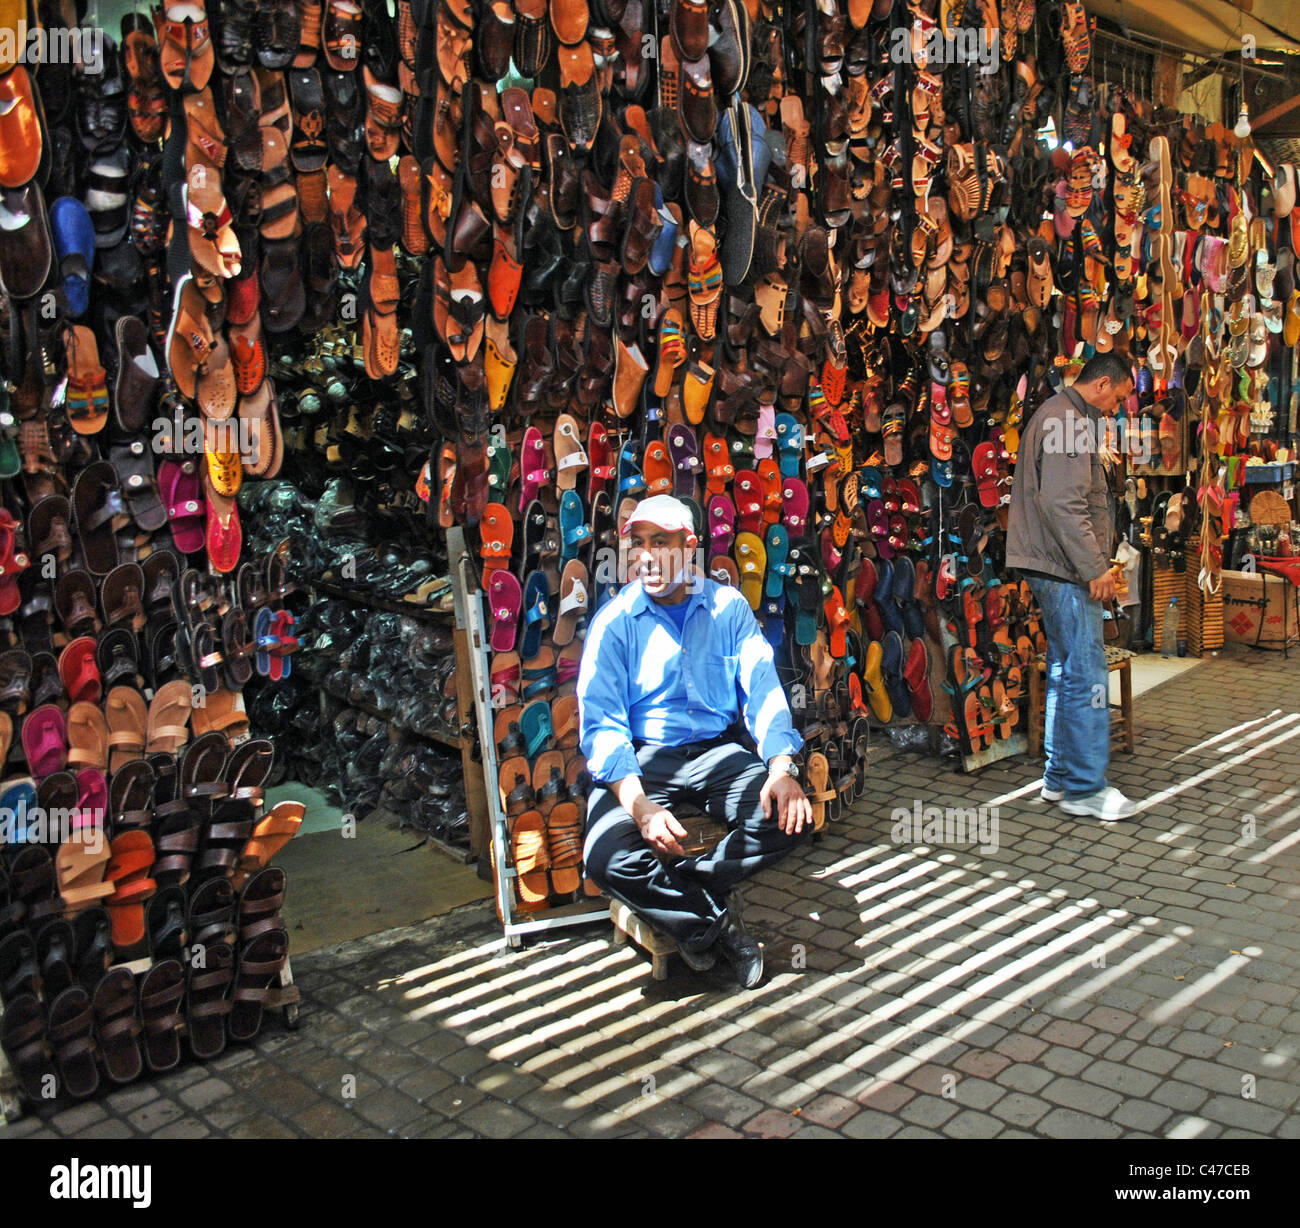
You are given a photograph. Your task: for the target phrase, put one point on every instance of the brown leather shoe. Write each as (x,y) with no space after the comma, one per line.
(580,101)
(701,183)
(569,19)
(415,240)
(495,39)
(630,371)
(696,103)
(643,226)
(689,27)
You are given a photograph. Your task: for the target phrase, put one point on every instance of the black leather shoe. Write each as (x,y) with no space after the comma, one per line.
(697,959)
(740,946)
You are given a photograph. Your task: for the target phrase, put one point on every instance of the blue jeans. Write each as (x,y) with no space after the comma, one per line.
(685,898)
(1076,730)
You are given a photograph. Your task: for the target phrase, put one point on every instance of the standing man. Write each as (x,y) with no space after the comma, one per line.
(670,667)
(1059,537)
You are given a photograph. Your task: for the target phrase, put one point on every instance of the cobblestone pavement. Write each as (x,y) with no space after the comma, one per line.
(1077,981)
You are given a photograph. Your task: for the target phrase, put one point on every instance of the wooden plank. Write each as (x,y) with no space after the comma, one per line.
(475,786)
(1002,748)
(1259,122)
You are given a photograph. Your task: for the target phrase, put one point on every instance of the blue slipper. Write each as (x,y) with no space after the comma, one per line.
(264,640)
(74,249)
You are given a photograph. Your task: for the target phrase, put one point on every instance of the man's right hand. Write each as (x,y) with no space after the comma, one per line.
(1103,588)
(661,832)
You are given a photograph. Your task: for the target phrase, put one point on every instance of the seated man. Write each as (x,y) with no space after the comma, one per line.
(670,665)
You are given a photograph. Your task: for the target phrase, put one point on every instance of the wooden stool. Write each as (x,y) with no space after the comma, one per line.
(702,834)
(1121,716)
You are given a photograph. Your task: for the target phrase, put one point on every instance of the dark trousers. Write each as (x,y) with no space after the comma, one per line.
(685,897)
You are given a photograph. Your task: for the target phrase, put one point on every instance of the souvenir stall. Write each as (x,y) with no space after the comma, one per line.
(339,342)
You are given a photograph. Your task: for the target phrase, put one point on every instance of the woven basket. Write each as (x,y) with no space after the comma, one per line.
(1268,507)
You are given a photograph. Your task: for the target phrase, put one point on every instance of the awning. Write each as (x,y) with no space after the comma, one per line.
(1208,27)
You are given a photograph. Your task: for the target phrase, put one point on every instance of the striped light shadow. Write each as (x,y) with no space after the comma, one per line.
(1185,997)
(1033,786)
(932,888)
(556,964)
(917,867)
(1278,846)
(1110,974)
(1227,733)
(1189,1127)
(932,1050)
(1209,773)
(901,857)
(847,863)
(1007,946)
(952,1006)
(961,917)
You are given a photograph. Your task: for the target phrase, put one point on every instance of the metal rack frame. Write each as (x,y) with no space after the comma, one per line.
(470,618)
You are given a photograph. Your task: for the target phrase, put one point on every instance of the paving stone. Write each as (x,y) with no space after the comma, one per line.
(325,1121)
(1019,1109)
(183,1127)
(261,1125)
(491,1119)
(1067,1123)
(871,1123)
(389,1109)
(109,1128)
(204,1094)
(154,1115)
(723,1104)
(928,1111)
(78,1117)
(771,1123)
(1141,1115)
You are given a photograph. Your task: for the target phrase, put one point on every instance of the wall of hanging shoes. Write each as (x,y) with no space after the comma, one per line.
(139,915)
(806,269)
(511,266)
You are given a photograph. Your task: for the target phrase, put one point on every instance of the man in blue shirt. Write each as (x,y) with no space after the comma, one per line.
(671,665)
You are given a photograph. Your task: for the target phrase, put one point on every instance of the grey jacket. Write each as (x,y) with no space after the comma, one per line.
(1060,521)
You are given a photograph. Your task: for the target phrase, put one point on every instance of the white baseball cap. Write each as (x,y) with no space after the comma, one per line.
(664,512)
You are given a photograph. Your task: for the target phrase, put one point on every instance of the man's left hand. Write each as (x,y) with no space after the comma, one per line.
(793,810)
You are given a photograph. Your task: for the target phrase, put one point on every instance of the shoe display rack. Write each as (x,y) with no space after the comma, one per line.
(511,856)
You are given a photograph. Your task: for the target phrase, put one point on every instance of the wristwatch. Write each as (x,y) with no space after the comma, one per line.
(791,769)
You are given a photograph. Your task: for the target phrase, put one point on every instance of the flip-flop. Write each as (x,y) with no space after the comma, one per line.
(574,602)
(182,496)
(169,714)
(45,740)
(71,1032)
(528,847)
(88,736)
(118,1026)
(264,640)
(207,1001)
(260,963)
(132,857)
(751,563)
(79,671)
(221,712)
(271,833)
(99,513)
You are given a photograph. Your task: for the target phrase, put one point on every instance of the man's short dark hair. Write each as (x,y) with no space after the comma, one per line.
(1105,366)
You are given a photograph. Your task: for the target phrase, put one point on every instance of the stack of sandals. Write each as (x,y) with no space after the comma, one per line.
(173,873)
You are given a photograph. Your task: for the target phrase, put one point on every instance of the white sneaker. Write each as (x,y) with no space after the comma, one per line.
(1051,795)
(1109,805)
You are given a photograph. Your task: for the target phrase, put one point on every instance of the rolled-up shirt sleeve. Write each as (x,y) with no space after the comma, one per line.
(763,703)
(605,732)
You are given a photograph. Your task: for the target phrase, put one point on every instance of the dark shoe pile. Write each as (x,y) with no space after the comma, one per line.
(171,871)
(383,739)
